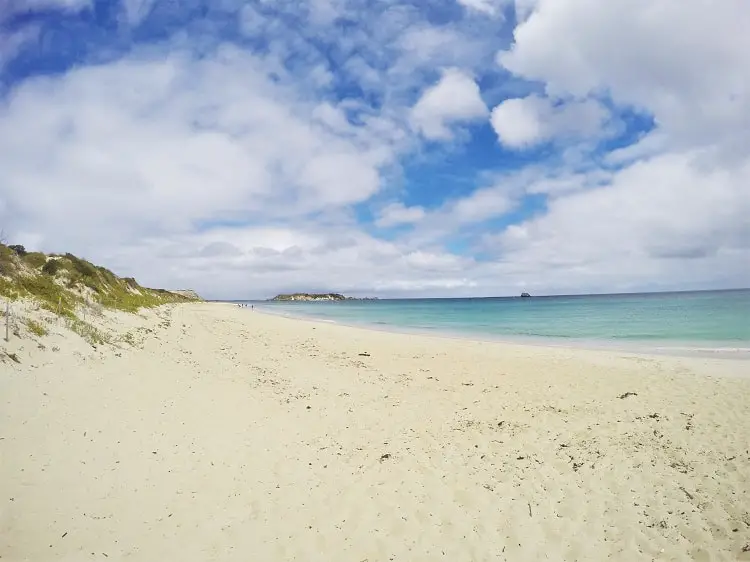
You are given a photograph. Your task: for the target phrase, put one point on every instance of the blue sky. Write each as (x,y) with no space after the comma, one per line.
(456,148)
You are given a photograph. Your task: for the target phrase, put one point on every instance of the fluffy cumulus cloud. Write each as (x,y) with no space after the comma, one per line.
(677,200)
(524,122)
(397,213)
(454,99)
(332,145)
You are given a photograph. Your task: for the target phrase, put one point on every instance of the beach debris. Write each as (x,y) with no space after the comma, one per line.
(467,383)
(627,394)
(681,466)
(688,494)
(308,408)
(654,416)
(529,504)
(746,548)
(13,356)
(385,456)
(364,354)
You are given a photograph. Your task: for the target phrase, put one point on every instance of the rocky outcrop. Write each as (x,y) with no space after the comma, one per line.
(314,297)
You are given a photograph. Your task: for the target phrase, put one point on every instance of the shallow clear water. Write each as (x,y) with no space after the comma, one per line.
(708,319)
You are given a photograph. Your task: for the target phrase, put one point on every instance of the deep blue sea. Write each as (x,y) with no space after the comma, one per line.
(705,320)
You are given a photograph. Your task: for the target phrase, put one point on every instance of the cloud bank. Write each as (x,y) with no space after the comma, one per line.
(465,148)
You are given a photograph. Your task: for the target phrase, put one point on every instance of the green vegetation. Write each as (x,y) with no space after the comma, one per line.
(65,283)
(128,338)
(52,296)
(35,259)
(90,333)
(314,297)
(7,260)
(51,267)
(36,328)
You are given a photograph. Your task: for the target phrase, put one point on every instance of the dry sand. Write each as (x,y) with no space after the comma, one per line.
(226,434)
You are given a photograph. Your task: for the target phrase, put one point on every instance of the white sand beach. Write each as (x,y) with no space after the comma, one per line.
(217,433)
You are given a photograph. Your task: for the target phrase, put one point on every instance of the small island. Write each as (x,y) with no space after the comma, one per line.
(316,297)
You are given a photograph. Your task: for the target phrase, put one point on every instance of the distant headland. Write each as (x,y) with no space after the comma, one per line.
(317,297)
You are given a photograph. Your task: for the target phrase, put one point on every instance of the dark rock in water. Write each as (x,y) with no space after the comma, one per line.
(525,295)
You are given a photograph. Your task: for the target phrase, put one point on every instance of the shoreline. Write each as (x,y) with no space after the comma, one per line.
(679,348)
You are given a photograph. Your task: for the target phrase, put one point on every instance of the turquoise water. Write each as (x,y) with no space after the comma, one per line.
(706,319)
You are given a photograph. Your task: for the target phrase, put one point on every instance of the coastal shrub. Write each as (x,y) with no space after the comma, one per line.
(49,293)
(51,267)
(36,328)
(91,334)
(122,299)
(93,283)
(110,291)
(107,275)
(9,290)
(35,259)
(84,268)
(18,249)
(7,262)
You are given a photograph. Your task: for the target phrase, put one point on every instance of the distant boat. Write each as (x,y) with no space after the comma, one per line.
(525,295)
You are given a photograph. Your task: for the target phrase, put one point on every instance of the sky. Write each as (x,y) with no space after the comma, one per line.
(381,147)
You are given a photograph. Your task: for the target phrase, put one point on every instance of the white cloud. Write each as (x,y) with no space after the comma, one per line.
(696,84)
(673,211)
(651,220)
(141,163)
(397,214)
(199,140)
(135,11)
(524,122)
(524,8)
(481,205)
(488,7)
(453,100)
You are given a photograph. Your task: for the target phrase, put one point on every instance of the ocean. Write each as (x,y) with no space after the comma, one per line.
(708,321)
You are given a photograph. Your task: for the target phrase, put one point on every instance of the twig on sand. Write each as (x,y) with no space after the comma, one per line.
(623,396)
(529,504)
(688,494)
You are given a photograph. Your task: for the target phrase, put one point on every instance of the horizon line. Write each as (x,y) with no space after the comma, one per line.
(505,296)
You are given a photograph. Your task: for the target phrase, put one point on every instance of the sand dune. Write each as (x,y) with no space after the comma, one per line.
(225,434)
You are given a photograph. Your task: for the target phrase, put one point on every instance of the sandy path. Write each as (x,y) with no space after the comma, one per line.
(233,435)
